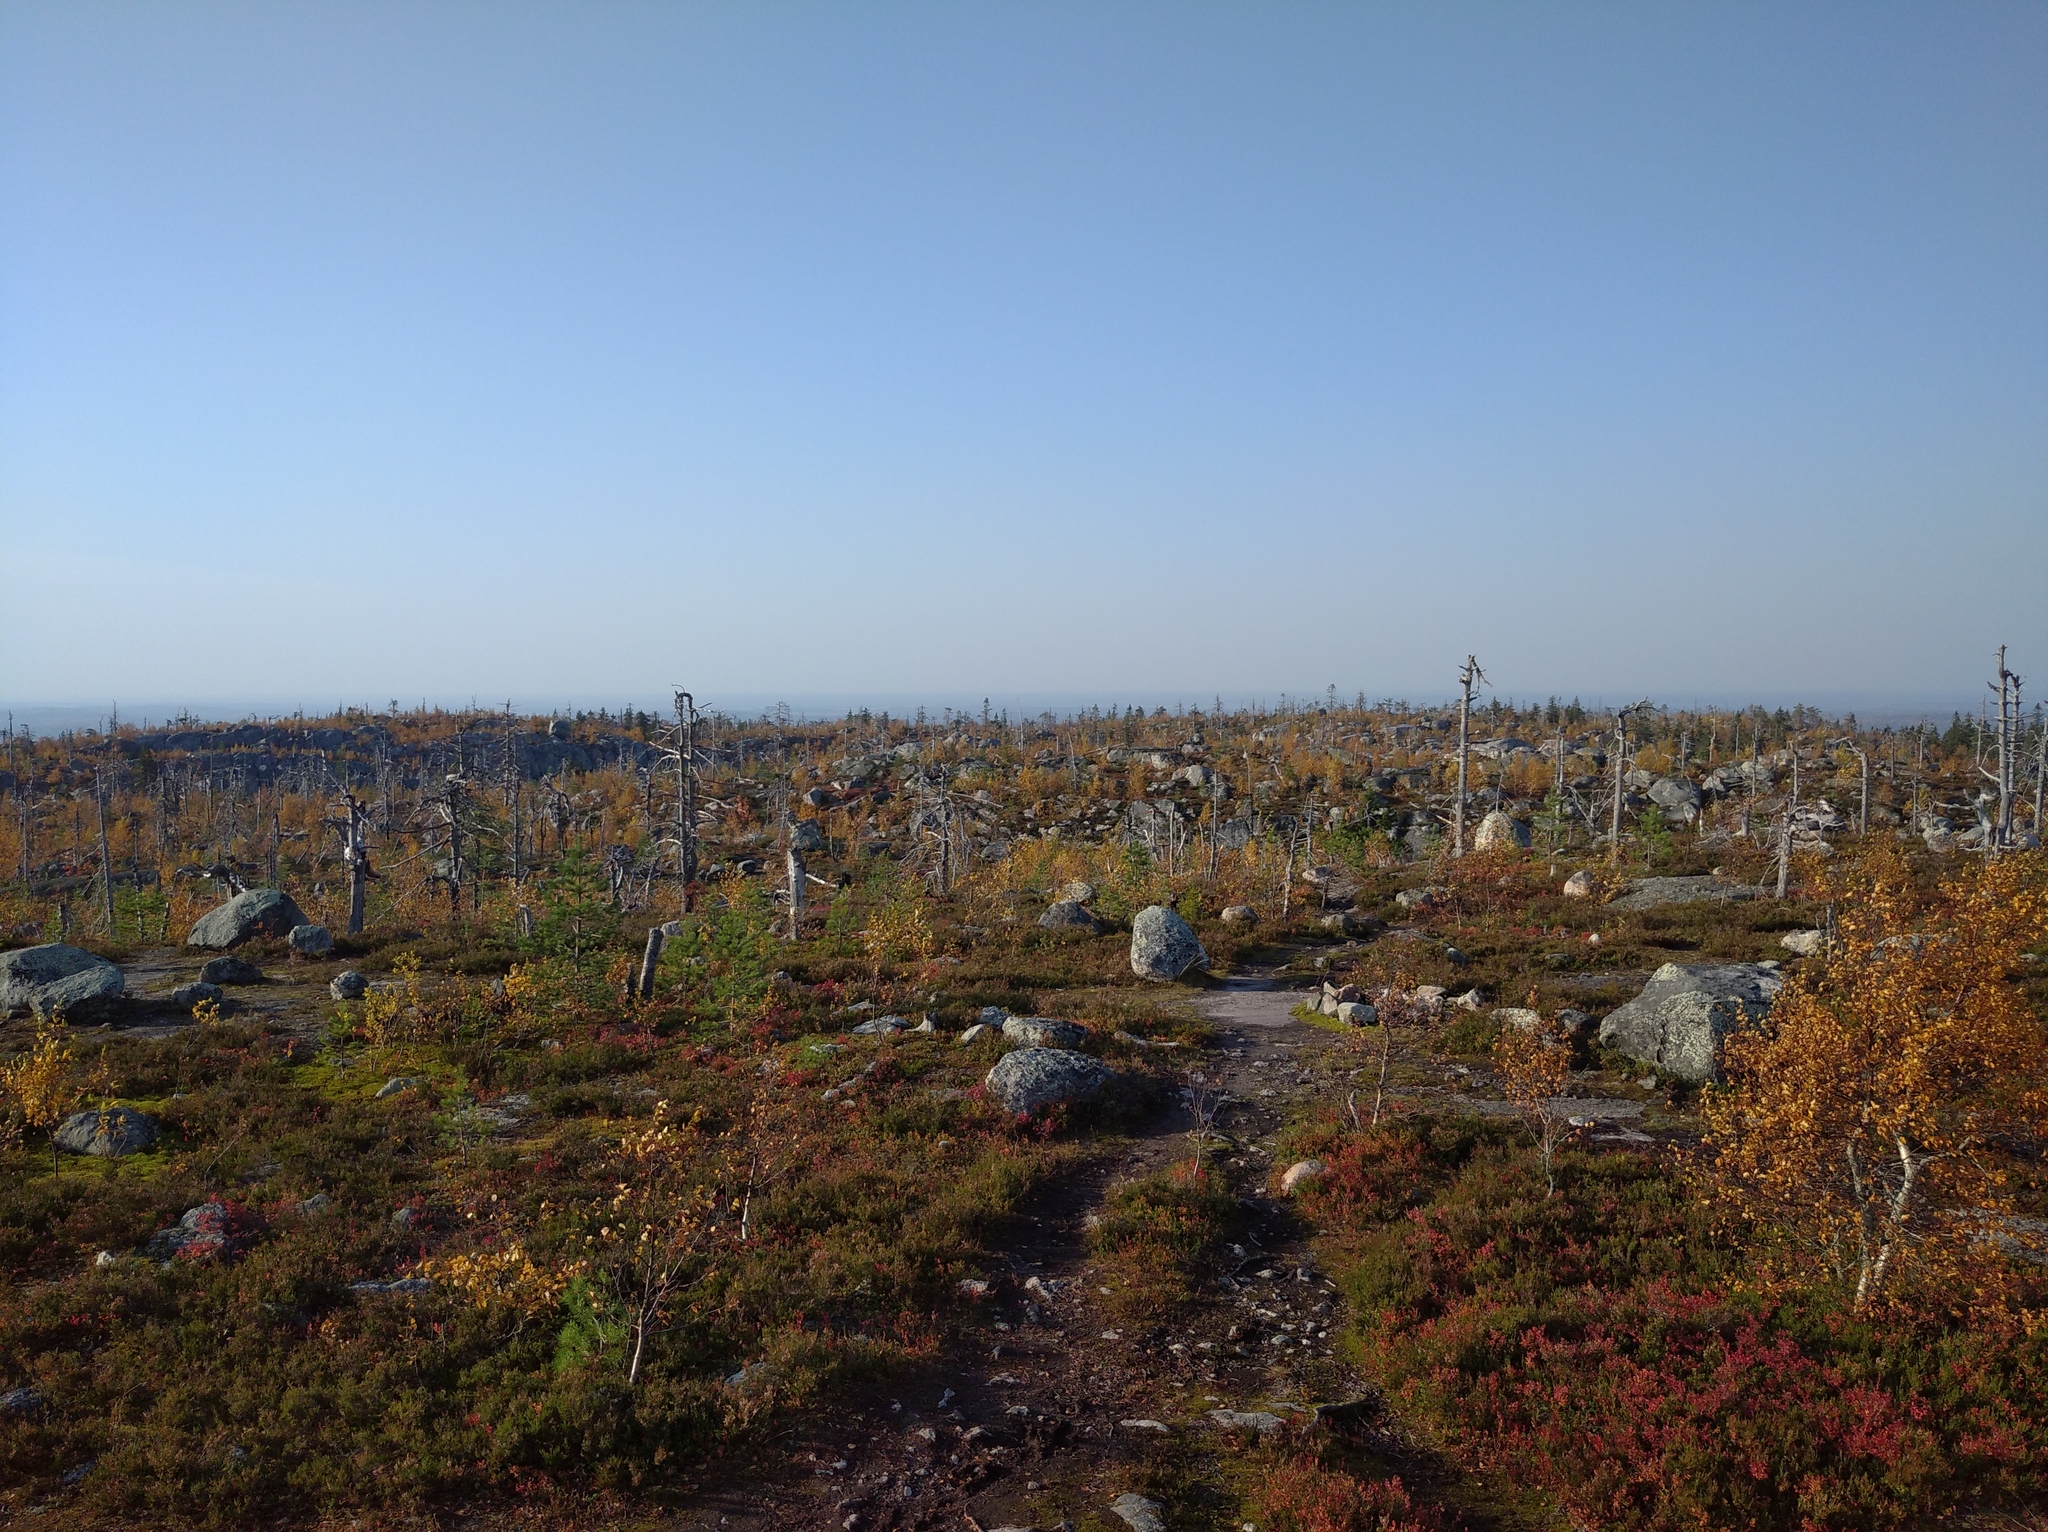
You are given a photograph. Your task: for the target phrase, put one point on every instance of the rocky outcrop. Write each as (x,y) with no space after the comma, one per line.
(1163,946)
(1651,893)
(259,912)
(1677,1023)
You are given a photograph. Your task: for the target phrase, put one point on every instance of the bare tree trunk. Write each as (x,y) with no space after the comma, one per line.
(796,893)
(99,793)
(649,961)
(1467,675)
(1785,854)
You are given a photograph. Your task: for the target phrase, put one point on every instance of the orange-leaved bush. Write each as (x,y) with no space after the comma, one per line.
(1870,1126)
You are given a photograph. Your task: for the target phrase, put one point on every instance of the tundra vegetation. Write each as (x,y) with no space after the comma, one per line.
(620,1150)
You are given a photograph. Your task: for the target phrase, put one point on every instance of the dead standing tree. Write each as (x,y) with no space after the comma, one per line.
(681,747)
(1621,718)
(2008,689)
(355,851)
(1468,676)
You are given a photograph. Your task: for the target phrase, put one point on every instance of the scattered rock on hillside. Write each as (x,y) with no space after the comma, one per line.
(1044,1032)
(977,1032)
(1347,923)
(311,941)
(1240,915)
(198,992)
(1497,830)
(1031,1078)
(55,977)
(1519,1018)
(1356,1013)
(1078,892)
(398,1084)
(1573,1022)
(348,985)
(1651,893)
(205,1232)
(880,1026)
(806,836)
(1417,898)
(259,912)
(1068,915)
(1581,885)
(107,1134)
(1679,1019)
(1299,1173)
(1163,946)
(1804,943)
(1677,797)
(1139,1514)
(230,970)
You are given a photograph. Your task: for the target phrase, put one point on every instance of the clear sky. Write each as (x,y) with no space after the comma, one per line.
(1096,350)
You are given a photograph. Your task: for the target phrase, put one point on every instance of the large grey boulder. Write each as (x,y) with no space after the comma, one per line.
(1163,946)
(1678,1021)
(1677,797)
(1500,830)
(1043,1032)
(1068,915)
(1032,1078)
(259,912)
(55,977)
(111,1133)
(1651,893)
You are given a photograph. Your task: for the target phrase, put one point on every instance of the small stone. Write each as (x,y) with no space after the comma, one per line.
(1455,958)
(977,1032)
(20,1401)
(398,1083)
(405,1218)
(1356,1013)
(1581,885)
(880,1026)
(1078,892)
(1068,915)
(348,985)
(1240,915)
(1264,1422)
(1520,1019)
(198,992)
(1804,943)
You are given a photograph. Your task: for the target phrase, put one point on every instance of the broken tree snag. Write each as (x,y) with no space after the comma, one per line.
(1621,717)
(1467,677)
(796,893)
(649,961)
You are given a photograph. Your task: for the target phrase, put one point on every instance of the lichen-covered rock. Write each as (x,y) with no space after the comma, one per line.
(311,941)
(230,970)
(1078,892)
(348,985)
(1804,943)
(55,977)
(259,912)
(1163,946)
(1499,830)
(1299,1174)
(1044,1032)
(1031,1078)
(1068,915)
(1678,1021)
(1652,893)
(198,992)
(1240,915)
(108,1134)
(1581,885)
(204,1233)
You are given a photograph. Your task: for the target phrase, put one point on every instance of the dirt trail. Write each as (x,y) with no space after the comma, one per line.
(1053,1406)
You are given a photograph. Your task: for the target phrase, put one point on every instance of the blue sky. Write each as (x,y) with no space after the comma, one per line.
(1090,351)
